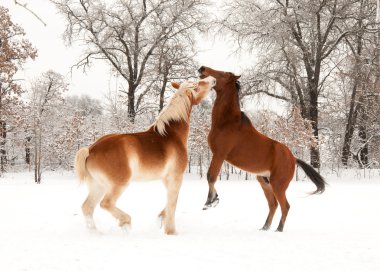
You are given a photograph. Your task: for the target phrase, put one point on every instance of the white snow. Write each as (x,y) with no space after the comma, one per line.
(42,228)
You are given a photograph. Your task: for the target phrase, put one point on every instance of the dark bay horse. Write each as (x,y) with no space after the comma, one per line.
(160,152)
(234,139)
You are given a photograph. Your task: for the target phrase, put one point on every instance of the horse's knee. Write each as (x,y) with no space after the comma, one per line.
(211,178)
(273,204)
(208,177)
(106,204)
(85,209)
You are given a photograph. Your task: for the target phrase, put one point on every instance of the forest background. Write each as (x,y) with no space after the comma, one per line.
(310,75)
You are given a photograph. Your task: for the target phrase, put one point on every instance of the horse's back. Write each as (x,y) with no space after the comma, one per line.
(137,156)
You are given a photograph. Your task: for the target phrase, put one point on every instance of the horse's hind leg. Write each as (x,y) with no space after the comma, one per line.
(272,202)
(173,185)
(96,192)
(109,203)
(279,190)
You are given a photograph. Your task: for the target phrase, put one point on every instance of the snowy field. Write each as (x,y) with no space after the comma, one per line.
(42,227)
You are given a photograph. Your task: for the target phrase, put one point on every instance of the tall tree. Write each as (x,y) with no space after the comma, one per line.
(127,33)
(377,82)
(298,37)
(361,44)
(45,96)
(175,62)
(14,51)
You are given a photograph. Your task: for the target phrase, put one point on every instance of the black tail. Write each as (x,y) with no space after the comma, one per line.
(314,176)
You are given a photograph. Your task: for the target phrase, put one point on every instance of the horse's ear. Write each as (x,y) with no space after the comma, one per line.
(175,85)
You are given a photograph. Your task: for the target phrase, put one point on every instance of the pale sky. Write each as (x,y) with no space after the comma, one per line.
(53,54)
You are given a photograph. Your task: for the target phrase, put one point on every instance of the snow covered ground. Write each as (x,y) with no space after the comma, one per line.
(41,227)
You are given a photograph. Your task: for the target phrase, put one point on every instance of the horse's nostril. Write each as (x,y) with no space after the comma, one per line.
(201,69)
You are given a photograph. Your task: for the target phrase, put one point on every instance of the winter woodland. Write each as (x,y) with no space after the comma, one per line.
(320,58)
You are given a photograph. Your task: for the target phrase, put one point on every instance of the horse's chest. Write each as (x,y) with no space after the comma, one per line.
(217,140)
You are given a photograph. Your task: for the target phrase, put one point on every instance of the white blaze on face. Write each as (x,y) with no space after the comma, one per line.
(203,88)
(211,80)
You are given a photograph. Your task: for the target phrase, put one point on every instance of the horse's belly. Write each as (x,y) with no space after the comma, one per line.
(252,168)
(153,170)
(248,160)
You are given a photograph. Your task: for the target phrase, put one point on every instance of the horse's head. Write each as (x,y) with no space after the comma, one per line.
(196,91)
(222,78)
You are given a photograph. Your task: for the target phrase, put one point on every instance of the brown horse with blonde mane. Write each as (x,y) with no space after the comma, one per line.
(234,139)
(160,152)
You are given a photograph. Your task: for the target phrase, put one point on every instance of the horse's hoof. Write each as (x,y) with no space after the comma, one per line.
(160,222)
(90,223)
(206,206)
(214,203)
(126,228)
(264,228)
(170,232)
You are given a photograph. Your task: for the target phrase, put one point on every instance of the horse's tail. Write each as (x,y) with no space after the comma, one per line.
(314,176)
(80,164)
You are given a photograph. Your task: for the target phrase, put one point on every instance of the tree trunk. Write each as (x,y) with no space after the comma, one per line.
(200,165)
(350,126)
(362,133)
(363,155)
(162,92)
(227,171)
(377,80)
(355,106)
(37,155)
(314,151)
(131,104)
(3,152)
(27,150)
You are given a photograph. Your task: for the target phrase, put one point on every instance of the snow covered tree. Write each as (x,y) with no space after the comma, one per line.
(83,123)
(294,131)
(14,51)
(361,45)
(44,103)
(127,34)
(298,37)
(199,129)
(175,62)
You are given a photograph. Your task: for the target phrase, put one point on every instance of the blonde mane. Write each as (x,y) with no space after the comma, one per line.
(177,108)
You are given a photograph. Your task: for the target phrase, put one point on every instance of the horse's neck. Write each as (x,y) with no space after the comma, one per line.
(178,129)
(226,107)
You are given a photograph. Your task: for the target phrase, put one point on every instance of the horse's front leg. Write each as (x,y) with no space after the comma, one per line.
(212,175)
(167,216)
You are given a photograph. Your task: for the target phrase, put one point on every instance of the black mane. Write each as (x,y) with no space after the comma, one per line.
(244,118)
(237,85)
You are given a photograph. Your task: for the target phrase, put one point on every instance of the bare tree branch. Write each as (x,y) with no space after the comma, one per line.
(25,6)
